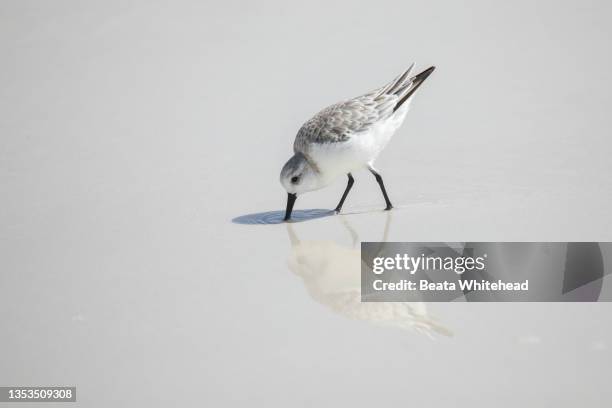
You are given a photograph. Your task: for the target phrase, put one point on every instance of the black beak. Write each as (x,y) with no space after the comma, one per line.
(290,201)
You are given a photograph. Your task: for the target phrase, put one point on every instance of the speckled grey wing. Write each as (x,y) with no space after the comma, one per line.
(340,122)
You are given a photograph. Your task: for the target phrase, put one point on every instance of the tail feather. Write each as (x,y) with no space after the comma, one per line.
(392,86)
(407,88)
(400,81)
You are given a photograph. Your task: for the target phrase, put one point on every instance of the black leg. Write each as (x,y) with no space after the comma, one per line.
(382,187)
(351,180)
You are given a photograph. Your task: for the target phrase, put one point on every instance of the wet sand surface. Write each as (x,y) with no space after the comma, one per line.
(142,258)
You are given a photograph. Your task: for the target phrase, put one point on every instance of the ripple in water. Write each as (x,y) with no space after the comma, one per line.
(276,217)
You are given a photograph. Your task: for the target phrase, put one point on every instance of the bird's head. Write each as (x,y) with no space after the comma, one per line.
(298,176)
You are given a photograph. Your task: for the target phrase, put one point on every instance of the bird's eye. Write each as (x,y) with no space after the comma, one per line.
(295,179)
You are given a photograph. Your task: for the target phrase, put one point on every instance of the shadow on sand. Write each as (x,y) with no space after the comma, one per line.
(276,217)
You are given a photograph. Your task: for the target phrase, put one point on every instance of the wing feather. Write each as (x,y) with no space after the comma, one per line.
(346,119)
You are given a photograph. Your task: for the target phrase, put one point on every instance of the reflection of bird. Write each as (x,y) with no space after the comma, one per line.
(332,276)
(346,137)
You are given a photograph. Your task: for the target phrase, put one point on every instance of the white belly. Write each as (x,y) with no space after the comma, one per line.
(361,150)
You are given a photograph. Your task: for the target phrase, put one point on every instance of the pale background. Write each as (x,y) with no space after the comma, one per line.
(132,133)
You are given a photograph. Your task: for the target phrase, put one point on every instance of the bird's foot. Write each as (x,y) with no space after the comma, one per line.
(337,210)
(388,207)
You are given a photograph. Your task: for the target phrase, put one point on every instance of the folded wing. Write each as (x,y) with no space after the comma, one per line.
(339,122)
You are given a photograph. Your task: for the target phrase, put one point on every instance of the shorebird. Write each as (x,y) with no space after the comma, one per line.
(348,136)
